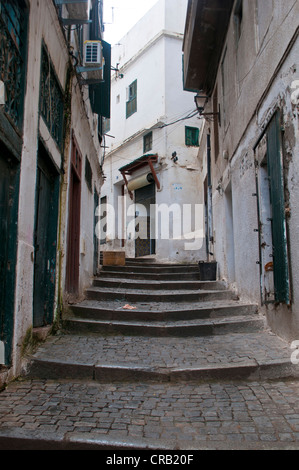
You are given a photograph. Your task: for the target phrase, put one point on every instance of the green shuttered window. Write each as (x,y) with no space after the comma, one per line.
(132,99)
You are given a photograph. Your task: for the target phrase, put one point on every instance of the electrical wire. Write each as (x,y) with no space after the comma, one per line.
(178,120)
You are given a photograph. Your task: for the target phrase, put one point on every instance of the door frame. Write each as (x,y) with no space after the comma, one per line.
(46,166)
(151,199)
(74,220)
(272,158)
(8,293)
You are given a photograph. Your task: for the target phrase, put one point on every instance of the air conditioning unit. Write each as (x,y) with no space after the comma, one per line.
(79,10)
(93,53)
(94,59)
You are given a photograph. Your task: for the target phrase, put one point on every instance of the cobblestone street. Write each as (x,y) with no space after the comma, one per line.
(197,374)
(226,415)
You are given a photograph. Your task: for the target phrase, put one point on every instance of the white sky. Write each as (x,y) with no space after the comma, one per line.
(125,13)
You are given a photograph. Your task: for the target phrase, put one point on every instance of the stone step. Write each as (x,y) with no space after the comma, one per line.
(133,295)
(146,264)
(115,273)
(156,269)
(160,311)
(122,359)
(124,283)
(180,328)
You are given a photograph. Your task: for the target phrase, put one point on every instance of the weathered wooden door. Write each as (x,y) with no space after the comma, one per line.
(274,265)
(4,221)
(9,184)
(279,233)
(73,250)
(95,238)
(45,242)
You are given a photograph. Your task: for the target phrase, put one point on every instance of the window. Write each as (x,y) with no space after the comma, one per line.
(88,175)
(13,45)
(132,99)
(225,87)
(148,142)
(216,109)
(106,125)
(51,98)
(192,136)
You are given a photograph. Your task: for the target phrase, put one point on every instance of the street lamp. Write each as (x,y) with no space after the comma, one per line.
(201,102)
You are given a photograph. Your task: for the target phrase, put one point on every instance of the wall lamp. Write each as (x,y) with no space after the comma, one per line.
(201,102)
(117,73)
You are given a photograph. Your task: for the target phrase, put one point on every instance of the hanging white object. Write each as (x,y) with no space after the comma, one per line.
(140,182)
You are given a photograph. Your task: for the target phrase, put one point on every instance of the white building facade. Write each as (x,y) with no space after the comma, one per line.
(153,138)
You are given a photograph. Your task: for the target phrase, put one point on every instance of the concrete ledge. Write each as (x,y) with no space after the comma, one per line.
(16,440)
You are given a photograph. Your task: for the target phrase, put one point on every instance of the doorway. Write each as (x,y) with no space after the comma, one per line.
(230,243)
(144,243)
(274,264)
(95,238)
(9,197)
(73,250)
(45,239)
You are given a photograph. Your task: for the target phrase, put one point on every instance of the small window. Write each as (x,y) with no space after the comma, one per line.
(192,136)
(106,125)
(132,99)
(88,174)
(148,142)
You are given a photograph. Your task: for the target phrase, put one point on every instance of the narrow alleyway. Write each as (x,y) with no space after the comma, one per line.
(155,358)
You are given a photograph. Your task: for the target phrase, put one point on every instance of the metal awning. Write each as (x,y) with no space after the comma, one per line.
(141,162)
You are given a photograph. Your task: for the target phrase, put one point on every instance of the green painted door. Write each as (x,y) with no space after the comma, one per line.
(279,233)
(9,184)
(45,243)
(95,238)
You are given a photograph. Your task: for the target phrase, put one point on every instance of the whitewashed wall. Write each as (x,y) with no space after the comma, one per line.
(152,53)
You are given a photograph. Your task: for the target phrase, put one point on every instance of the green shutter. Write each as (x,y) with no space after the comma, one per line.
(279,236)
(132,102)
(191,136)
(100,95)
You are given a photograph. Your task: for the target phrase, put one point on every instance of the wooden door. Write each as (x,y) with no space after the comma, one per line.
(9,196)
(45,241)
(73,250)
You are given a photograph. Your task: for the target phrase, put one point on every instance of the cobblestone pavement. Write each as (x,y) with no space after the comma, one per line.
(166,352)
(226,415)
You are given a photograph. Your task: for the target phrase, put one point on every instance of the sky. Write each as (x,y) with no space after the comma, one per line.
(121,15)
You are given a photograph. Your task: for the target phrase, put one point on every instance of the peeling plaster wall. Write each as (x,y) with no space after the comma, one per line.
(41,15)
(263,67)
(44,26)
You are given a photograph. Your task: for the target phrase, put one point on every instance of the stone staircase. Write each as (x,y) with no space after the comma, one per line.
(161,323)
